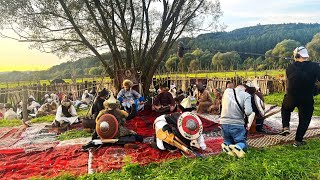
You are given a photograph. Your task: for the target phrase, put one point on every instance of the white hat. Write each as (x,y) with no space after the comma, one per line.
(302,51)
(186,103)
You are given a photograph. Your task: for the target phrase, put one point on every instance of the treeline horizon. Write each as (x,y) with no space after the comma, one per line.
(250,48)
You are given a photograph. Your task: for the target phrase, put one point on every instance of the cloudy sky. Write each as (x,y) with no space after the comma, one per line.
(242,13)
(236,14)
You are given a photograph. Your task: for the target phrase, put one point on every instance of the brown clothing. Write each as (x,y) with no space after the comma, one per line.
(216,107)
(205,101)
(164,99)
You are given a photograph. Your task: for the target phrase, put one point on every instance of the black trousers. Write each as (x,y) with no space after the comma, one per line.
(305,111)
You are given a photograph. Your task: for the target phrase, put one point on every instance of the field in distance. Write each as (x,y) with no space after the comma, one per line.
(274,73)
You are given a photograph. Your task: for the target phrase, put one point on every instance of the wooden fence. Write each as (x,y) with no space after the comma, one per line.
(267,84)
(14,95)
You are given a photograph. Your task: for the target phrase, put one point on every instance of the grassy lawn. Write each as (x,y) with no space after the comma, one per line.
(73,134)
(276,99)
(278,162)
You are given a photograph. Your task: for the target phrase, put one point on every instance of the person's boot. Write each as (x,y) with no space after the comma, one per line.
(285,131)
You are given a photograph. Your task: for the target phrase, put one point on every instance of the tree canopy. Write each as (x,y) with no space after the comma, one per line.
(137,33)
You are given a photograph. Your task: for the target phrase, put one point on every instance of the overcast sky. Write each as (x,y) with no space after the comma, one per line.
(236,14)
(242,13)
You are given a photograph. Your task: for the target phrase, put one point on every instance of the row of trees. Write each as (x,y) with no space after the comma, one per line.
(278,57)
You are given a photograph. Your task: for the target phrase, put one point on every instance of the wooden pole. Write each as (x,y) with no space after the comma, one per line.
(24,107)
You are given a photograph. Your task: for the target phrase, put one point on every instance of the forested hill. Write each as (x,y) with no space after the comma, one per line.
(255,39)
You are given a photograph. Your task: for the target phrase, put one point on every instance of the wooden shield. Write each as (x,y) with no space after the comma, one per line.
(107,126)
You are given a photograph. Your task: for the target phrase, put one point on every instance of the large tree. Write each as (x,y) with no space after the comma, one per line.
(314,48)
(138,33)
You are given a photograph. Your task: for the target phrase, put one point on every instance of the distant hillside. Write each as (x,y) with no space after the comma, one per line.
(255,39)
(79,68)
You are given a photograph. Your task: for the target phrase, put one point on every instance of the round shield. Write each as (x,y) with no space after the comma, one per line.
(260,105)
(189,125)
(107,126)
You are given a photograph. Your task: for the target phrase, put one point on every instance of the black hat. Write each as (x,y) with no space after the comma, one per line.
(104,92)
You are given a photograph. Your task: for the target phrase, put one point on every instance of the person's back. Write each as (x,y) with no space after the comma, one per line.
(231,113)
(302,77)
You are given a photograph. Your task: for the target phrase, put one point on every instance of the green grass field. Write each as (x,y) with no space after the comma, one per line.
(276,99)
(278,162)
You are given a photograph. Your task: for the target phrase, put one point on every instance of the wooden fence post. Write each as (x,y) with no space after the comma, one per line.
(24,107)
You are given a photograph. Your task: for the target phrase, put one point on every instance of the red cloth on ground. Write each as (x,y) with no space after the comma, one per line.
(16,164)
(143,123)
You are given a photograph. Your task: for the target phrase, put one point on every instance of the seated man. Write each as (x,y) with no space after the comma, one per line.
(10,114)
(215,108)
(32,106)
(44,99)
(127,94)
(86,97)
(257,103)
(55,98)
(66,114)
(49,108)
(98,103)
(179,131)
(164,101)
(204,99)
(110,125)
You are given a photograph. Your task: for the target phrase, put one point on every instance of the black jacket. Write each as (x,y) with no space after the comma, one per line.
(302,77)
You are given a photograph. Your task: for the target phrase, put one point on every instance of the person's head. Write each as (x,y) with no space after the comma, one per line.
(300,54)
(163,88)
(111,103)
(103,94)
(229,84)
(66,102)
(30,100)
(200,87)
(127,84)
(216,91)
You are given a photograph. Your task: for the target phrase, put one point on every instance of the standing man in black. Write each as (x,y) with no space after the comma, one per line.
(301,76)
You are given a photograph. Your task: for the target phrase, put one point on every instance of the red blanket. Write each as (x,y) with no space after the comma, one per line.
(143,123)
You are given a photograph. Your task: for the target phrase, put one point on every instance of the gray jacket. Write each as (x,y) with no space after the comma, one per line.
(231,113)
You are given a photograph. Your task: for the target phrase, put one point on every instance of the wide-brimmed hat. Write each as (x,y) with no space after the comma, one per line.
(189,125)
(107,126)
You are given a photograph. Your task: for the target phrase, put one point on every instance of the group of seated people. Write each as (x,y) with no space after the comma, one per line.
(178,129)
(167,99)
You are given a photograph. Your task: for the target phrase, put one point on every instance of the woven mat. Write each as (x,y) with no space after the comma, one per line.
(270,140)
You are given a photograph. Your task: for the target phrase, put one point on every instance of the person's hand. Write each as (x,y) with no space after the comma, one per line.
(131,101)
(248,128)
